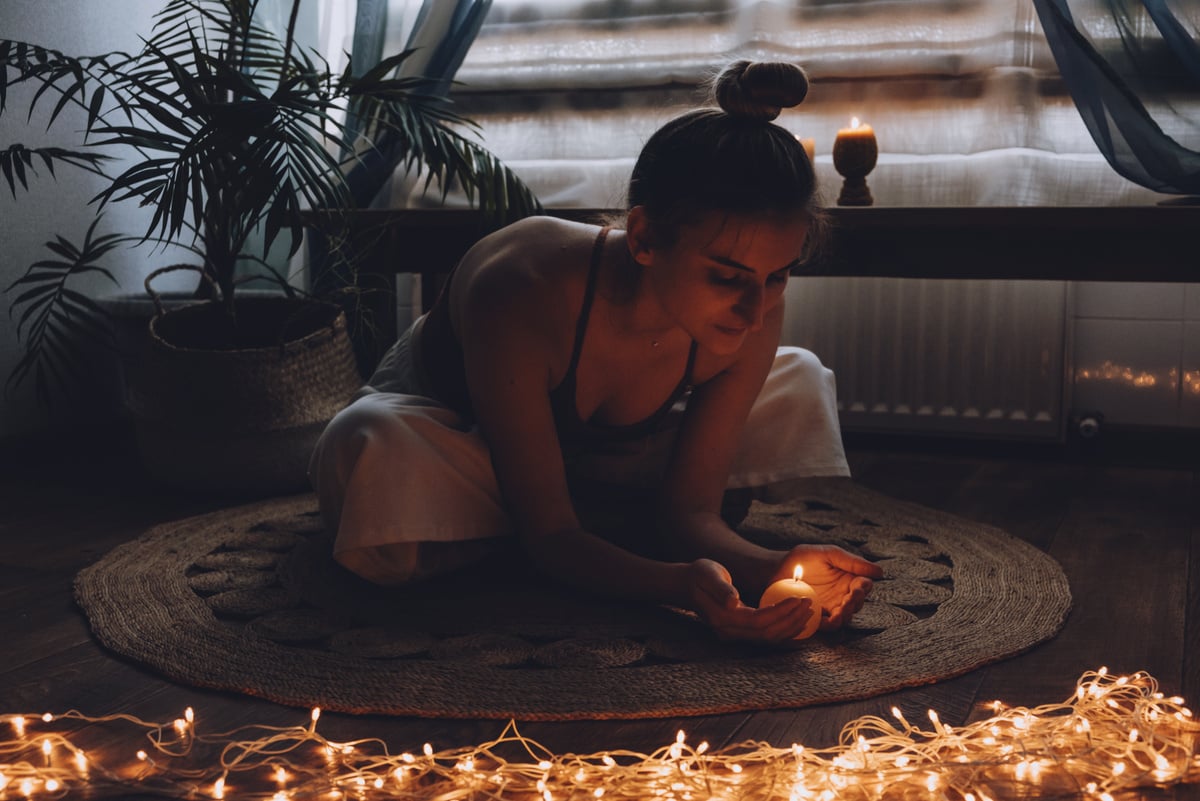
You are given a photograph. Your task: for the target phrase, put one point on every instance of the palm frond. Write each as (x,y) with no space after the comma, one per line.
(413,137)
(235,131)
(84,81)
(54,318)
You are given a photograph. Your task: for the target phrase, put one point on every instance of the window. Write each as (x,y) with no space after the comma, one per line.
(964,95)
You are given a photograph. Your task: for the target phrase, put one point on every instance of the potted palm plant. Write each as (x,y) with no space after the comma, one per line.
(236,135)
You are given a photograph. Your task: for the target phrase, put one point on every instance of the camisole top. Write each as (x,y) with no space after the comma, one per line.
(444,363)
(574,432)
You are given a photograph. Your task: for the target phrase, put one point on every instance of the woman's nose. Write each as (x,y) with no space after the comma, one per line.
(750,306)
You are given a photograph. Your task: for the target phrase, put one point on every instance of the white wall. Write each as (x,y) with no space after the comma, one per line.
(59,205)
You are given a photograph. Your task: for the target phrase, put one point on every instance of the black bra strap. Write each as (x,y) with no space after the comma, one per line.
(586,309)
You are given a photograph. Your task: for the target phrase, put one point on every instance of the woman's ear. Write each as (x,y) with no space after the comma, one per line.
(638,236)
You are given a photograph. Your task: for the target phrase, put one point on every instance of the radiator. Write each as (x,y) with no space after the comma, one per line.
(965,357)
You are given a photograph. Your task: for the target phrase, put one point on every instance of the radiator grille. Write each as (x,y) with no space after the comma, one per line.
(955,356)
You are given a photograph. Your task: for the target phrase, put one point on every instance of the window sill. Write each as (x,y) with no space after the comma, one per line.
(1064,243)
(1078,243)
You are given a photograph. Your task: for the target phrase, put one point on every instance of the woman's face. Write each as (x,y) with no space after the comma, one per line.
(725,273)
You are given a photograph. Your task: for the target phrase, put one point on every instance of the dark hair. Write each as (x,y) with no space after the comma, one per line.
(731,159)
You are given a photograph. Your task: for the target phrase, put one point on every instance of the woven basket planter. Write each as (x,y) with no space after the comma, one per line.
(218,416)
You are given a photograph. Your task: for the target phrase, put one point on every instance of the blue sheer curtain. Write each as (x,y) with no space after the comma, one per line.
(1127,94)
(439,38)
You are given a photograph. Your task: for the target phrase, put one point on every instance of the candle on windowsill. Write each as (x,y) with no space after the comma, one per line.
(810,147)
(855,151)
(794,587)
(857,130)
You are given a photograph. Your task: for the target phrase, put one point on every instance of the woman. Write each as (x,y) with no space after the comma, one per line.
(568,369)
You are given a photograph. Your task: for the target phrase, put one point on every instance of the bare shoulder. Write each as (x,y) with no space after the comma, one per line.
(531,270)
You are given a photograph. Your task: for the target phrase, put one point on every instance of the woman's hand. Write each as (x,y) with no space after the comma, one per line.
(840,579)
(712,595)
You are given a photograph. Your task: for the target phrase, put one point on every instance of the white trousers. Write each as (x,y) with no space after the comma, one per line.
(410,491)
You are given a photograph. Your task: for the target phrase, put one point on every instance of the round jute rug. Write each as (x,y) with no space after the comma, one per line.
(250,600)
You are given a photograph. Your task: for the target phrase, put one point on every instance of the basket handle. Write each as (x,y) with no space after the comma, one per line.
(159,310)
(299,312)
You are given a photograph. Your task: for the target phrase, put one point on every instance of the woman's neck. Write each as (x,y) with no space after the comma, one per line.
(635,310)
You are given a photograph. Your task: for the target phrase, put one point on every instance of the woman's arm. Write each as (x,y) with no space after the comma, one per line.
(699,469)
(696,482)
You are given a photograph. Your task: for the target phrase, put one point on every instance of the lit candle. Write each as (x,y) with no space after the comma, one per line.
(854,154)
(794,587)
(857,130)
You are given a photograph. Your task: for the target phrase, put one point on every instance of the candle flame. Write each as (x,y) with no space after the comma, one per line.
(798,573)
(854,123)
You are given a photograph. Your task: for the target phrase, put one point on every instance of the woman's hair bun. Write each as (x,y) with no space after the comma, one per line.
(760,89)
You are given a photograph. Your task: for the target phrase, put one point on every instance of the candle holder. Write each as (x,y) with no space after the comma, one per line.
(855,152)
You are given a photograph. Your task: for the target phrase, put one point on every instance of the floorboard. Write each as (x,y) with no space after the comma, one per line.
(1124,548)
(1191,640)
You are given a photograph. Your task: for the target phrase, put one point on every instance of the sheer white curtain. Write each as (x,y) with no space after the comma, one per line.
(964,95)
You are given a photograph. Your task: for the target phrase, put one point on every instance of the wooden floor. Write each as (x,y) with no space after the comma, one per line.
(1127,535)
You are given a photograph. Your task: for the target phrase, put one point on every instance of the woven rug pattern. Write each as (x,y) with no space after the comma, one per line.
(249,600)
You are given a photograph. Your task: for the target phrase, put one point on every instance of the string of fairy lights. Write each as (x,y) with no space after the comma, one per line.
(1114,734)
